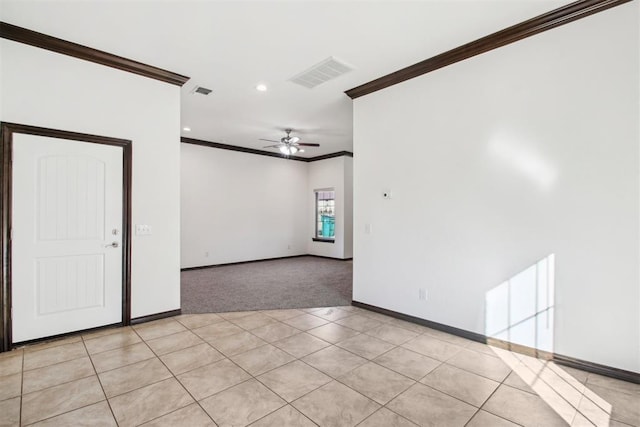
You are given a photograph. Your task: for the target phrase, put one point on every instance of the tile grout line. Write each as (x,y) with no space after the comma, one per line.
(68,382)
(126,330)
(99,382)
(488,398)
(126,364)
(296,358)
(270,370)
(323,385)
(309,392)
(263,373)
(198,367)
(116,331)
(225,357)
(166,320)
(475,373)
(500,416)
(174,376)
(355,354)
(271,343)
(176,379)
(174,351)
(419,381)
(185,389)
(349,387)
(382,405)
(277,322)
(440,363)
(582,394)
(388,409)
(58,384)
(55,363)
(116,348)
(298,328)
(439,391)
(551,363)
(287,404)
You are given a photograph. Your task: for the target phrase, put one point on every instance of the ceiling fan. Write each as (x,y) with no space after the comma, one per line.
(289,145)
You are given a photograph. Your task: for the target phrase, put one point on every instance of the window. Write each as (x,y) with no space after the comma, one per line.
(325,215)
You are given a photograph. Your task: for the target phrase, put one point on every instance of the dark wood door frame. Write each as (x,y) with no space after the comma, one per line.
(6,154)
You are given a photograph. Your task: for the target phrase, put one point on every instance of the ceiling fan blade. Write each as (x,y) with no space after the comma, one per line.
(308,145)
(272,146)
(269,140)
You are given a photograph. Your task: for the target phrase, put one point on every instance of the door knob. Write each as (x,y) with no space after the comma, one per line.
(112,245)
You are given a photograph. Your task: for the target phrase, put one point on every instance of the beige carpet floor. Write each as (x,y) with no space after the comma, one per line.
(300,282)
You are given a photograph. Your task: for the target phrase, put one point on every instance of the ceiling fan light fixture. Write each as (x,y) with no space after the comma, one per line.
(288,150)
(288,144)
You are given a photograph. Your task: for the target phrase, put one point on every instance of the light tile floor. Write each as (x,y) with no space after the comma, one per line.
(337,366)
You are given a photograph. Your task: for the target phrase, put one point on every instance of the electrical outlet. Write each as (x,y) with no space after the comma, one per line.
(422,294)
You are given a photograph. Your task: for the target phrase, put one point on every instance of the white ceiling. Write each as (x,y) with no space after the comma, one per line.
(231,46)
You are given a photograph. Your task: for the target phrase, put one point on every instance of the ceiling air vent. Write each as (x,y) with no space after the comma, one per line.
(201,90)
(323,71)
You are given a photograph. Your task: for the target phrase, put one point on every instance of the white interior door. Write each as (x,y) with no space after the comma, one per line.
(66,236)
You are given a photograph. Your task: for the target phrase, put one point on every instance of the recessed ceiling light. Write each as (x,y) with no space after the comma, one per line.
(261,87)
(186,129)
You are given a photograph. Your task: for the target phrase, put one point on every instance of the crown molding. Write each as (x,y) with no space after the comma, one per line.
(330,156)
(229,147)
(557,17)
(44,41)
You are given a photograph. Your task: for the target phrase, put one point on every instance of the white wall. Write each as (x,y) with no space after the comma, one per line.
(328,173)
(505,158)
(241,207)
(348,207)
(42,88)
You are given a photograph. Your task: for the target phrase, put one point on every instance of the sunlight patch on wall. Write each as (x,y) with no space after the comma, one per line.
(520,310)
(524,160)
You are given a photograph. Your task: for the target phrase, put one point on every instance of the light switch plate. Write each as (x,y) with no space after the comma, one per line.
(143,230)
